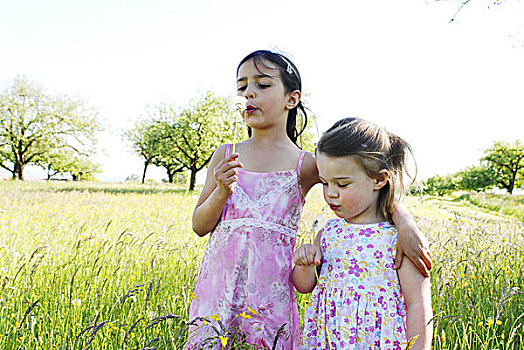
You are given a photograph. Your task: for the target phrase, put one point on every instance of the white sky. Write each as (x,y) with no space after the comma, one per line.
(450,89)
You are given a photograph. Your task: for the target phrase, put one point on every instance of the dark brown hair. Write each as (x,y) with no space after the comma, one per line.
(290,79)
(374,148)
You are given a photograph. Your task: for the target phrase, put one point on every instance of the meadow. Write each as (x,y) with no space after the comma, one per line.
(112,266)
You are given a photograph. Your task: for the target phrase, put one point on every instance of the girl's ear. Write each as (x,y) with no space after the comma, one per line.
(381,179)
(293,99)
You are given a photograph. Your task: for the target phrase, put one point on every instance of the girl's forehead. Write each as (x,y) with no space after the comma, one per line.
(260,65)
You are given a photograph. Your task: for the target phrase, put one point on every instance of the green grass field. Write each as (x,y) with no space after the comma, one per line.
(112,266)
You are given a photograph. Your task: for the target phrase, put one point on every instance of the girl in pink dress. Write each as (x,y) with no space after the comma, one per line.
(251,205)
(359,301)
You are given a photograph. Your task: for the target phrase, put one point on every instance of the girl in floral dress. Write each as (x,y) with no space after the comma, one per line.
(250,205)
(358,300)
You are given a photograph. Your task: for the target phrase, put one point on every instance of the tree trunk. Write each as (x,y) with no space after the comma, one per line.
(512,182)
(18,172)
(170,177)
(146,164)
(192,180)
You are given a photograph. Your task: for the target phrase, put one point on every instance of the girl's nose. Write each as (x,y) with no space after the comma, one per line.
(331,192)
(248,93)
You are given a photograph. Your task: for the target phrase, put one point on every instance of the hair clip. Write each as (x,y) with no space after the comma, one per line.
(289,69)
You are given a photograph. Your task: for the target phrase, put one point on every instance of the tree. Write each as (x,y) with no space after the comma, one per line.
(198,130)
(34,124)
(67,161)
(462,3)
(145,141)
(507,162)
(82,169)
(440,185)
(167,151)
(476,178)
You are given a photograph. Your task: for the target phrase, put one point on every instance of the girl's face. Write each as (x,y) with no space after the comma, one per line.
(267,102)
(348,190)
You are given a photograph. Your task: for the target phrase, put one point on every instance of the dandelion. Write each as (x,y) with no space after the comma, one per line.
(252,311)
(223,340)
(215,317)
(239,105)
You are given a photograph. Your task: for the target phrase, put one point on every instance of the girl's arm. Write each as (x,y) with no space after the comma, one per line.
(308,173)
(306,259)
(221,174)
(417,295)
(411,241)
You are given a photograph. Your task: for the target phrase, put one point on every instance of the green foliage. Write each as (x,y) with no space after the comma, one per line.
(146,140)
(439,185)
(306,140)
(507,161)
(66,161)
(476,178)
(499,204)
(186,140)
(35,124)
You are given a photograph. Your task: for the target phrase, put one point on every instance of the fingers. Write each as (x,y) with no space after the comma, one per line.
(229,162)
(427,258)
(226,171)
(318,257)
(421,266)
(422,263)
(303,256)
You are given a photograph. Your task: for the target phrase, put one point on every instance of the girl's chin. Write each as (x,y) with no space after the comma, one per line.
(339,214)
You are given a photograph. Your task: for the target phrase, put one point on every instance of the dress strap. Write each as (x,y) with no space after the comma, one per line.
(302,154)
(228,146)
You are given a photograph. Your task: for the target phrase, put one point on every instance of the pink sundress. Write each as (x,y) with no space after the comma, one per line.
(357,303)
(245,276)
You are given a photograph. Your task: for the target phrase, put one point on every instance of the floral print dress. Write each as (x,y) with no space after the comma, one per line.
(357,303)
(245,276)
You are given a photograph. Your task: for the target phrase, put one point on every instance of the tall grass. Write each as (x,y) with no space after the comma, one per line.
(112,266)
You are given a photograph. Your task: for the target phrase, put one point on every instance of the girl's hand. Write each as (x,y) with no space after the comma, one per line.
(412,243)
(226,173)
(303,256)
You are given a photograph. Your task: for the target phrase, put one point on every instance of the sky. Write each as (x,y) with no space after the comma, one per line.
(450,89)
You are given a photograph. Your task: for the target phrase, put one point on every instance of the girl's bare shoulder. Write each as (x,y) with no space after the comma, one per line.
(220,152)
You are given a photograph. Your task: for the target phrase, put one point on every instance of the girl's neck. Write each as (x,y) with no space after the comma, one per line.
(366,220)
(270,139)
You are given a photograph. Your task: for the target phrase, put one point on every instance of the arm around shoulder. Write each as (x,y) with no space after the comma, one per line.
(411,241)
(308,173)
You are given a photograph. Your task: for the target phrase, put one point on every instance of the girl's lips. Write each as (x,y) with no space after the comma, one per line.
(250,109)
(334,207)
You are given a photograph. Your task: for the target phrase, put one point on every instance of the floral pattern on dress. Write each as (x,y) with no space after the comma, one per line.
(248,260)
(357,303)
